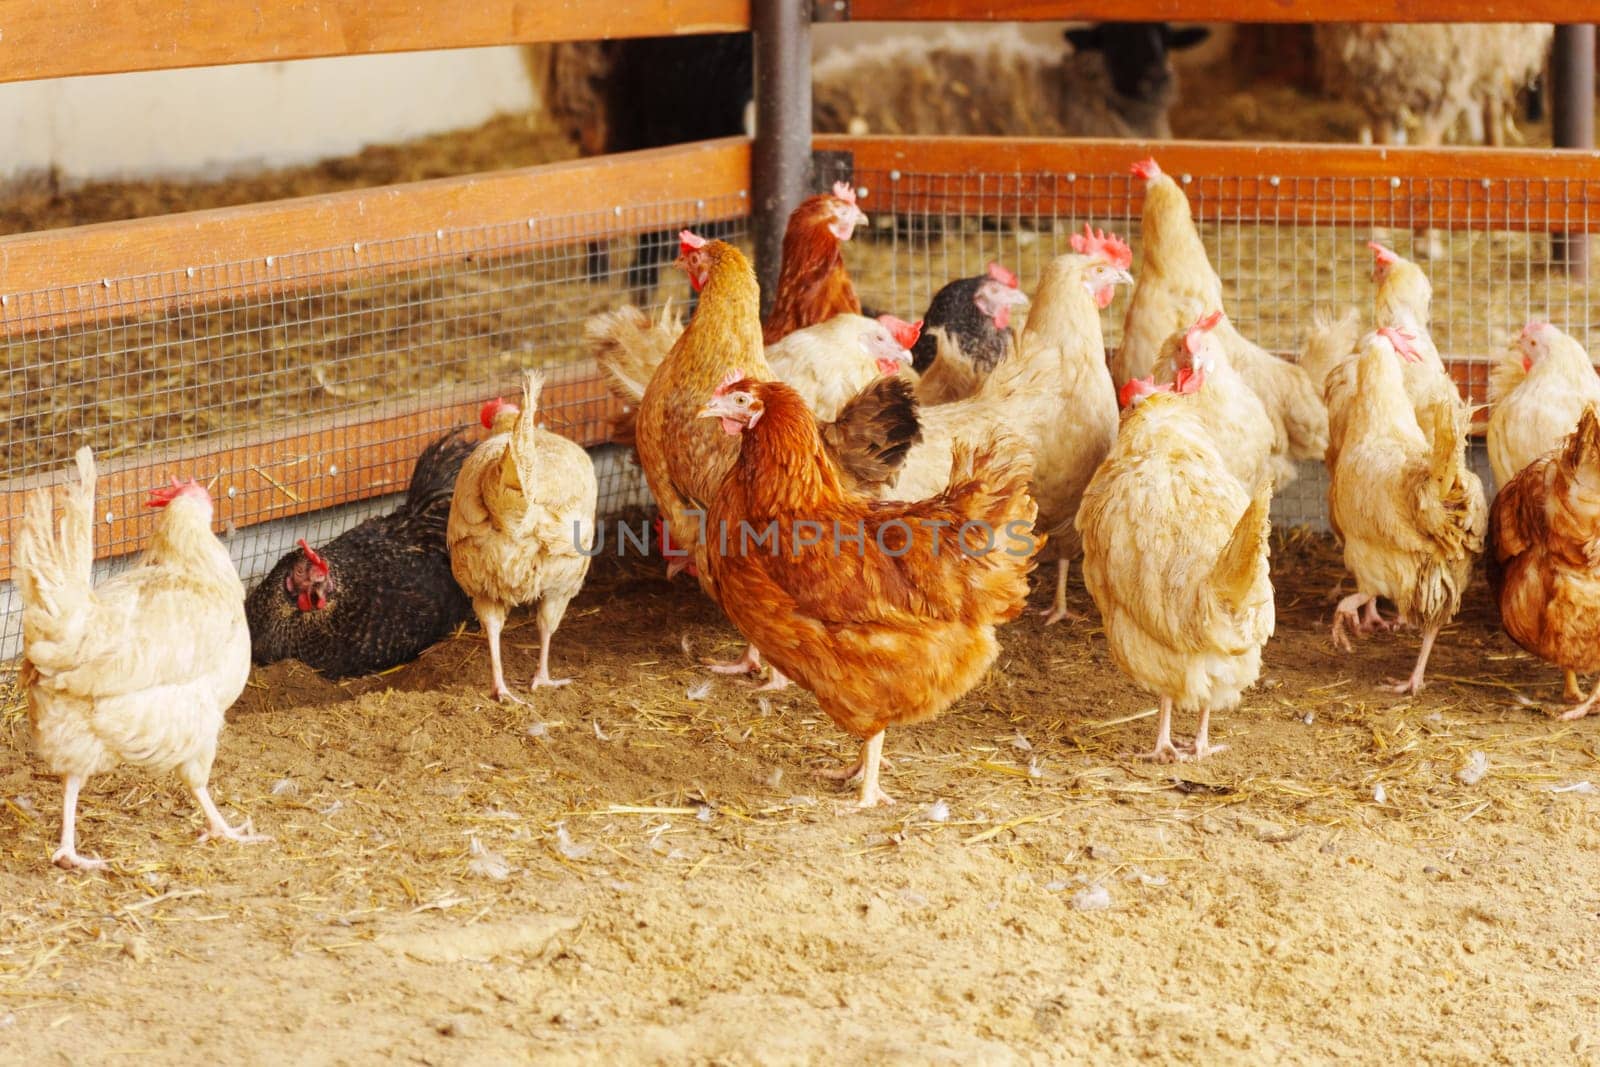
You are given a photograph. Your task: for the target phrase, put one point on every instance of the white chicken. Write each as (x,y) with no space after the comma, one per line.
(1538,393)
(522,525)
(141,669)
(1227,407)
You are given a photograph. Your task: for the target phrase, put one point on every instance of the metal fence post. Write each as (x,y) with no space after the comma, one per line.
(781,161)
(1572,122)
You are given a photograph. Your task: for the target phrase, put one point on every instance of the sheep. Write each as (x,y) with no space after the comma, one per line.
(993,81)
(1415,81)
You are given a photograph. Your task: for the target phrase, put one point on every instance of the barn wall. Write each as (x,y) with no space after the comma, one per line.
(213,121)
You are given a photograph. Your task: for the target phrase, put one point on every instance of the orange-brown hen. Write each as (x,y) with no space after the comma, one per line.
(813,285)
(885,610)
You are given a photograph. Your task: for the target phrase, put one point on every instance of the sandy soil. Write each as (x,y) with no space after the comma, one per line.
(641,869)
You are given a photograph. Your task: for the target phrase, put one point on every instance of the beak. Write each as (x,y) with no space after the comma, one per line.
(1122,277)
(713,410)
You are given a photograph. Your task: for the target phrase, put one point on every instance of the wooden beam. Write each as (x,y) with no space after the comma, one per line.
(1543,190)
(152,265)
(1209,11)
(62,38)
(330,462)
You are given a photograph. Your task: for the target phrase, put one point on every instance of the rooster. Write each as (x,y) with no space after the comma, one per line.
(375,596)
(967,332)
(897,631)
(813,285)
(1176,286)
(685,459)
(1537,393)
(141,669)
(1187,612)
(1544,561)
(521,526)
(1054,394)
(1401,496)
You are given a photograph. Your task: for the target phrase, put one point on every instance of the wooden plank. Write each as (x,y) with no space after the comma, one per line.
(1545,190)
(123,269)
(62,38)
(1211,11)
(330,463)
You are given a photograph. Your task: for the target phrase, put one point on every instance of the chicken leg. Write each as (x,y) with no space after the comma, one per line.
(1415,683)
(1058,607)
(1202,746)
(217,826)
(1346,615)
(551,609)
(1570,690)
(1583,709)
(67,855)
(747,664)
(1373,619)
(492,617)
(1165,751)
(872,793)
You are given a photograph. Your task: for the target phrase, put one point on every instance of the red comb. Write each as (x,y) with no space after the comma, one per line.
(733,378)
(1532,327)
(904,332)
(311,554)
(161,496)
(845,191)
(1134,388)
(1202,326)
(1108,246)
(1402,338)
(1384,256)
(688,241)
(1001,275)
(490,409)
(1148,169)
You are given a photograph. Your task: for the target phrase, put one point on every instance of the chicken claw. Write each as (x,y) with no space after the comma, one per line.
(1373,619)
(1583,709)
(69,860)
(543,678)
(502,694)
(217,826)
(1202,746)
(745,664)
(1569,689)
(1165,751)
(1346,616)
(1057,611)
(872,793)
(1415,683)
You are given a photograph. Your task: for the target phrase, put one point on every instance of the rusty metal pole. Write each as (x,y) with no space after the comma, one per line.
(780,164)
(1572,121)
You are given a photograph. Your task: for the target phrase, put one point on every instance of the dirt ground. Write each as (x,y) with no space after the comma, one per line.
(641,868)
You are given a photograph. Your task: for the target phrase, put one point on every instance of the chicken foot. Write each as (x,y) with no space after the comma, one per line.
(749,663)
(1586,707)
(1346,616)
(1373,619)
(872,793)
(1165,751)
(550,612)
(217,826)
(1415,683)
(67,856)
(492,617)
(1058,607)
(1202,746)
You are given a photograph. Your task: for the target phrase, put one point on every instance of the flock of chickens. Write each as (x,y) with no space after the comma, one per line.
(901,479)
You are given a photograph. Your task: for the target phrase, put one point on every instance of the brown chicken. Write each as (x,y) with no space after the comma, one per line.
(1187,612)
(813,285)
(1402,498)
(1544,560)
(888,629)
(1176,286)
(685,458)
(521,525)
(141,669)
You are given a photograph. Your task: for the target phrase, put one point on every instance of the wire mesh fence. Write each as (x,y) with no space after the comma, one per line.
(305,384)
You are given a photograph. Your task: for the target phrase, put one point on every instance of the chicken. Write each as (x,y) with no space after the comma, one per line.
(1327,357)
(813,285)
(685,459)
(1054,394)
(1227,408)
(1544,560)
(1404,300)
(375,596)
(1403,499)
(830,363)
(521,526)
(1537,394)
(886,611)
(967,332)
(141,669)
(1187,612)
(1177,286)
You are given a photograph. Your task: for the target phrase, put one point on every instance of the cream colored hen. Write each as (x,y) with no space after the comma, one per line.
(1176,286)
(1401,496)
(141,669)
(1054,394)
(522,525)
(1538,393)
(1228,408)
(1175,555)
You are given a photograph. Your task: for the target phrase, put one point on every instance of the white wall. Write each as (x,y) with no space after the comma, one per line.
(211,121)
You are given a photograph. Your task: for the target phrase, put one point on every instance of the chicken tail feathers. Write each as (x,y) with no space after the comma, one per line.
(433,480)
(1332,341)
(630,347)
(1240,561)
(54,562)
(1583,445)
(873,432)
